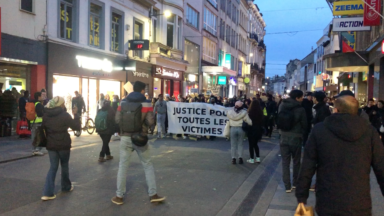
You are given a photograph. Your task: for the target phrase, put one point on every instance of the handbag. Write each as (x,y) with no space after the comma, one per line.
(245,126)
(227,130)
(40,139)
(22,128)
(304,210)
(382,129)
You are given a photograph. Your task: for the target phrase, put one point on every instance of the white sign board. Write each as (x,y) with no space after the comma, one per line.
(128,87)
(349,24)
(196,118)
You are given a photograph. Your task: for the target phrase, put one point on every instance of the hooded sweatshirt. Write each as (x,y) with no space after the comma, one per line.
(236,119)
(342,150)
(56,122)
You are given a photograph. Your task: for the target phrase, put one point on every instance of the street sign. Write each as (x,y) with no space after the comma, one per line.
(139,44)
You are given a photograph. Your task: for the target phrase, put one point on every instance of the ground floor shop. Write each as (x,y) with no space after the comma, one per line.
(89,73)
(140,71)
(219,81)
(191,84)
(167,81)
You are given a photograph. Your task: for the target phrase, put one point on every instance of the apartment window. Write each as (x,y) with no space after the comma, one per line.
(192,17)
(222,29)
(228,35)
(116,30)
(234,11)
(223,4)
(138,35)
(179,34)
(213,2)
(209,50)
(232,63)
(209,21)
(240,69)
(221,56)
(66,19)
(170,30)
(229,8)
(154,26)
(26,5)
(94,25)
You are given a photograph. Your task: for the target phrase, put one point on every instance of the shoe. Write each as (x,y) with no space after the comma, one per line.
(233,160)
(251,161)
(101,159)
(159,136)
(109,157)
(184,137)
(117,200)
(46,198)
(38,153)
(241,161)
(72,188)
(288,191)
(313,188)
(156,198)
(293,187)
(258,160)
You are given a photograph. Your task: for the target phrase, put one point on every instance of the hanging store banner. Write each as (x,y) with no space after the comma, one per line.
(196,118)
(371,17)
(348,8)
(349,24)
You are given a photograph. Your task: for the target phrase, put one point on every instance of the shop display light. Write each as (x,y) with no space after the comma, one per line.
(94,63)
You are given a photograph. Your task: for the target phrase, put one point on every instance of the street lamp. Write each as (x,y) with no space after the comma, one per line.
(251,54)
(166,13)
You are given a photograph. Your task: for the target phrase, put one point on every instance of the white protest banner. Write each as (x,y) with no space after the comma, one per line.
(196,118)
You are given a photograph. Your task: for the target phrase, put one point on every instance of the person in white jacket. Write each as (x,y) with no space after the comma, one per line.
(236,118)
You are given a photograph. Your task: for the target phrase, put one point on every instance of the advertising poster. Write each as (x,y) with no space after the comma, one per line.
(196,119)
(348,41)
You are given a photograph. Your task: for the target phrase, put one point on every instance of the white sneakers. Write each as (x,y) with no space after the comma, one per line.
(46,198)
(38,153)
(257,160)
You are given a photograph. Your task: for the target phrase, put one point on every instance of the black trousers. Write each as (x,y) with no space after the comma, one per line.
(290,148)
(253,147)
(105,149)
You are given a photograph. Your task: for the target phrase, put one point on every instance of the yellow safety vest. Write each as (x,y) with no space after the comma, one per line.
(265,111)
(38,119)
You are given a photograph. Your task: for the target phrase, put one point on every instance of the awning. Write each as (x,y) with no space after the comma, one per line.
(347,62)
(216,70)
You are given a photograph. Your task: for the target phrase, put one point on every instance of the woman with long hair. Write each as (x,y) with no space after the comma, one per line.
(256,131)
(236,117)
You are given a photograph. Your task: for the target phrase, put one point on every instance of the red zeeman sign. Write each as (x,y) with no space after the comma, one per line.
(371,18)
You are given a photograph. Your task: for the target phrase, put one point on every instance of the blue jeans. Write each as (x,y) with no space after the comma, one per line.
(54,158)
(126,149)
(237,142)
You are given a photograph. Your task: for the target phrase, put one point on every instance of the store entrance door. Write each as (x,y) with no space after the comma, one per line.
(89,93)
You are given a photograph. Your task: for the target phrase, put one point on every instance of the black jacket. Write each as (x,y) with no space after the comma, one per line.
(342,150)
(322,112)
(301,123)
(56,122)
(271,107)
(79,102)
(307,104)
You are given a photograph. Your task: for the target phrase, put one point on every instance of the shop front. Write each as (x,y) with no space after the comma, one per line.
(219,80)
(87,72)
(167,81)
(140,71)
(191,84)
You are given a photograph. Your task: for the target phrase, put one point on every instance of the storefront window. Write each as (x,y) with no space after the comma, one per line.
(156,87)
(66,19)
(376,85)
(13,76)
(110,88)
(167,87)
(94,25)
(115,37)
(65,87)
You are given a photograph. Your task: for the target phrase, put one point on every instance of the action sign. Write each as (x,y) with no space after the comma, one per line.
(196,118)
(371,17)
(348,8)
(349,24)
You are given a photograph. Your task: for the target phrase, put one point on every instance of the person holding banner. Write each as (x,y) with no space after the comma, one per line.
(161,110)
(236,117)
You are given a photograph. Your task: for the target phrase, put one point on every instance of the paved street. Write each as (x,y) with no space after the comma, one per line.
(196,177)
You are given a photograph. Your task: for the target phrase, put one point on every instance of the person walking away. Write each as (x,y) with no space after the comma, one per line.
(308,105)
(361,111)
(105,127)
(101,101)
(37,122)
(293,125)
(380,112)
(142,118)
(271,107)
(78,101)
(56,122)
(22,102)
(342,151)
(321,108)
(256,131)
(236,117)
(160,110)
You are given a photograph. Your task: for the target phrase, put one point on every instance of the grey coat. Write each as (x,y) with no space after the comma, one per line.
(160,107)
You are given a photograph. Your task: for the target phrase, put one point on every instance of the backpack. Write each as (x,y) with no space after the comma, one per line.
(286,119)
(131,117)
(30,111)
(101,120)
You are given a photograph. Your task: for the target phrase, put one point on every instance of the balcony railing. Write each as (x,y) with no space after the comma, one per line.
(262,45)
(255,66)
(253,36)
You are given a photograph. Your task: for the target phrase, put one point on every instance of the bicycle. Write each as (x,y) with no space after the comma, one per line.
(89,126)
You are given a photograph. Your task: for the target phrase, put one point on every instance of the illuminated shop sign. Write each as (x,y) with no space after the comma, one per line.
(348,8)
(94,63)
(166,72)
(222,80)
(140,74)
